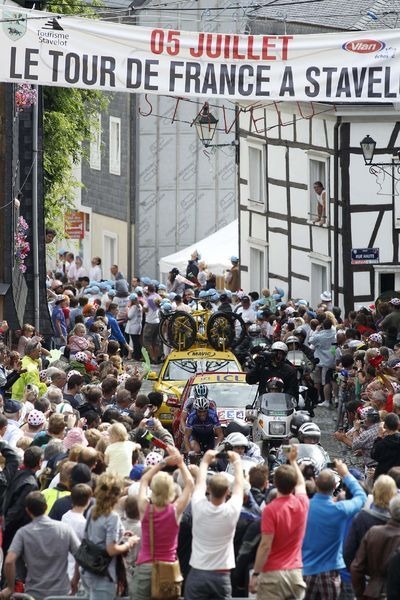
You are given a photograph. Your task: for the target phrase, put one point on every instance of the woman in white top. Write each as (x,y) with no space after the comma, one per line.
(202,274)
(118,455)
(133,325)
(95,272)
(76,270)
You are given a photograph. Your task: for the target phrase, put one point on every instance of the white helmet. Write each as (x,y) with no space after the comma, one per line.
(279,346)
(201,403)
(292,339)
(309,430)
(237,439)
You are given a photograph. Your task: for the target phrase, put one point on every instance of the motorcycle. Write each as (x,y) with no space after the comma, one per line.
(312,458)
(271,415)
(308,395)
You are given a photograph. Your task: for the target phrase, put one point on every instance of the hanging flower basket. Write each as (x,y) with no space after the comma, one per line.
(25,96)
(22,246)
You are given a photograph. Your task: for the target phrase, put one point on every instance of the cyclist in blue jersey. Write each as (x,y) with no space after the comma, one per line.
(202,427)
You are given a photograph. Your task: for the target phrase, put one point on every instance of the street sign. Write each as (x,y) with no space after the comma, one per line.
(364,256)
(75,225)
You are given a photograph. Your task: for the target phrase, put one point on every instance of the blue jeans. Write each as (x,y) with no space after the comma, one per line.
(203,585)
(99,588)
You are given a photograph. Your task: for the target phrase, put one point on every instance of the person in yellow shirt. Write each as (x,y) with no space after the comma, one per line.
(30,366)
(62,488)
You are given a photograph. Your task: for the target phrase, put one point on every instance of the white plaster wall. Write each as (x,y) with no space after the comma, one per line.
(277,223)
(297,165)
(361,283)
(276,162)
(302,130)
(277,199)
(300,288)
(258,228)
(362,225)
(100,224)
(278,254)
(300,235)
(301,263)
(384,239)
(320,240)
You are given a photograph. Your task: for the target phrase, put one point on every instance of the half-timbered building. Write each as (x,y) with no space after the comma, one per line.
(285,148)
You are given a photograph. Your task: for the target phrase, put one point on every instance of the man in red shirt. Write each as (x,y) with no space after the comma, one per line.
(277,569)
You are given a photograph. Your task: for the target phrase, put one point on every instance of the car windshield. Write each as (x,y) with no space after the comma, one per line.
(182,370)
(230,395)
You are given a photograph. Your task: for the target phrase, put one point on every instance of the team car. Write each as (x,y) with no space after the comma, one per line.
(179,367)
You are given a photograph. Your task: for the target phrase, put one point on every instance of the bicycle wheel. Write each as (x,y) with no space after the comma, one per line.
(182,330)
(222,330)
(163,329)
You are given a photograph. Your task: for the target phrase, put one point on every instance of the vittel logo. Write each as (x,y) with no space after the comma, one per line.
(363,46)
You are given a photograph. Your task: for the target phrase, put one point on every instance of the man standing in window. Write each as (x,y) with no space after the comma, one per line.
(321,203)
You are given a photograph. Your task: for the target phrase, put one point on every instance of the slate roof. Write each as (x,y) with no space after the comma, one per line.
(333,14)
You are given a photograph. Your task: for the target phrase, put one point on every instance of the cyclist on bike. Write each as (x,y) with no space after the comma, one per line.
(202,427)
(200,391)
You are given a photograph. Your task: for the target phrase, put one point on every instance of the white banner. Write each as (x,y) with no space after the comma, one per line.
(58,50)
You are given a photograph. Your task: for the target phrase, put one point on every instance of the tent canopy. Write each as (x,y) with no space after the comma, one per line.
(216,250)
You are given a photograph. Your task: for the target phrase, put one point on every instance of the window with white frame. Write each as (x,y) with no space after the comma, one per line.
(256,180)
(319,280)
(319,192)
(110,251)
(115,146)
(95,145)
(257,268)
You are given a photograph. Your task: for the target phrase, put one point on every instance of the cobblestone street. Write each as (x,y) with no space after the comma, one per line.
(326,419)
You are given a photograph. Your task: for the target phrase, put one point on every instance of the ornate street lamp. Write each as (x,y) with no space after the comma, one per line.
(206,126)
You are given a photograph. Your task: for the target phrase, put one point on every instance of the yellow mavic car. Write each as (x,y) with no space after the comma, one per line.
(178,367)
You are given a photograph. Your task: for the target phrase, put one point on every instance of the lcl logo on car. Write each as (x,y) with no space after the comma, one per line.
(364,46)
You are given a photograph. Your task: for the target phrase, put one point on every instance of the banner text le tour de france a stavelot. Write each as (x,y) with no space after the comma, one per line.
(56,50)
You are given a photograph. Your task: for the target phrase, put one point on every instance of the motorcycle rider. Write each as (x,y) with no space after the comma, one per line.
(241,445)
(313,461)
(298,420)
(274,364)
(306,355)
(202,427)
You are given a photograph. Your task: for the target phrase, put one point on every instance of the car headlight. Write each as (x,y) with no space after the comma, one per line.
(277,428)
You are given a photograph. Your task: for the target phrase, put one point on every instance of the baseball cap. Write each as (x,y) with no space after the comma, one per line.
(12,406)
(136,472)
(80,474)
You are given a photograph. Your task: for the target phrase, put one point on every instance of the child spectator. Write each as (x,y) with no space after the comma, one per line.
(77,342)
(81,495)
(118,455)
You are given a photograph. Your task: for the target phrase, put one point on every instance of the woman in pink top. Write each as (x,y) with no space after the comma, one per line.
(165,510)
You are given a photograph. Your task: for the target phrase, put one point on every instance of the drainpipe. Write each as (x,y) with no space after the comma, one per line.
(336,165)
(35,230)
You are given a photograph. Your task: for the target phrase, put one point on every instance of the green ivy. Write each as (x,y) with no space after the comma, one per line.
(69,119)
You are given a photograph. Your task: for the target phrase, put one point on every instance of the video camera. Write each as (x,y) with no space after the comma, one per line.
(262,357)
